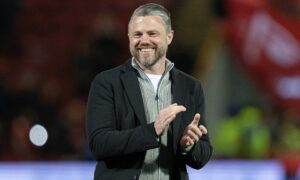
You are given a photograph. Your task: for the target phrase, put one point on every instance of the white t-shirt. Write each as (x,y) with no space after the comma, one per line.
(154,79)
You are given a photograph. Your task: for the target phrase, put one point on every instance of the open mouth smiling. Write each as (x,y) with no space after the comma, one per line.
(145,49)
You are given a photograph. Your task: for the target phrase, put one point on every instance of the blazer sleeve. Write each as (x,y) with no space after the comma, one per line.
(105,140)
(201,152)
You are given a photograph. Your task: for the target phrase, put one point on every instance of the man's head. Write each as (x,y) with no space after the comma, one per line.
(152,9)
(150,33)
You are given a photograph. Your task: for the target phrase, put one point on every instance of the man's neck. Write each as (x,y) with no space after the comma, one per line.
(157,69)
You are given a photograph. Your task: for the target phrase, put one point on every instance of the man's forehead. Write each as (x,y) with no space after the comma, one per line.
(149,18)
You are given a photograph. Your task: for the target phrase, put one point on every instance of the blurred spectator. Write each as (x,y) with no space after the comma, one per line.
(73,115)
(101,51)
(243,136)
(287,144)
(18,146)
(52,95)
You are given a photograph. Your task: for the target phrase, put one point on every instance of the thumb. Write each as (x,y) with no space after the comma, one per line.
(196,119)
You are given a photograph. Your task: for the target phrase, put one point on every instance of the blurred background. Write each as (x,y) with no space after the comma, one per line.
(245,52)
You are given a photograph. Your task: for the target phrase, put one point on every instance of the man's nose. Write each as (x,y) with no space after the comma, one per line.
(144,39)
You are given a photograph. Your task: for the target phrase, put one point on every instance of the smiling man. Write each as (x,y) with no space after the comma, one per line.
(143,117)
(149,39)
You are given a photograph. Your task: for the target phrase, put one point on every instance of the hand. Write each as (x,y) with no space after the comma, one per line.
(192,132)
(166,116)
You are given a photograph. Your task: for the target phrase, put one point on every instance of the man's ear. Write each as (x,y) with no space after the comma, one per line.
(170,37)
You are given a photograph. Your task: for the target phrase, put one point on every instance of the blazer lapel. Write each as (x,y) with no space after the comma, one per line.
(178,97)
(132,88)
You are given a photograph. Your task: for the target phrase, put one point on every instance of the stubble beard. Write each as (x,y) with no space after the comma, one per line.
(149,62)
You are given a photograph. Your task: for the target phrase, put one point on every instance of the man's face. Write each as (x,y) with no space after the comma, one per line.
(148,39)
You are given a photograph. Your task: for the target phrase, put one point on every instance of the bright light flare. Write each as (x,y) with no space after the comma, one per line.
(38,135)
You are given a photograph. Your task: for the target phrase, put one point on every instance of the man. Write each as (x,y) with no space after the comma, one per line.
(143,117)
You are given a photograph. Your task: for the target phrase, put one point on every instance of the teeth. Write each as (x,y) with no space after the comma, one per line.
(146,50)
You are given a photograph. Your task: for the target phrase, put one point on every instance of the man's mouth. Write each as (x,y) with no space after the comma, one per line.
(145,49)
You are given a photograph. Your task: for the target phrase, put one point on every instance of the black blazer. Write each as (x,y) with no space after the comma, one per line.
(117,130)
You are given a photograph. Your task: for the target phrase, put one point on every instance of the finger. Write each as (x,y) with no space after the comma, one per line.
(169,119)
(193,136)
(170,113)
(184,141)
(170,107)
(196,130)
(178,108)
(196,119)
(174,110)
(203,129)
(190,141)
(187,142)
(168,110)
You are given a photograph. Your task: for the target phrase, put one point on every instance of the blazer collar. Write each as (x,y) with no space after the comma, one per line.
(178,92)
(178,86)
(132,88)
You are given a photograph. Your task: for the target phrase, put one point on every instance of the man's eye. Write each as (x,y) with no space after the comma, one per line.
(153,34)
(137,35)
